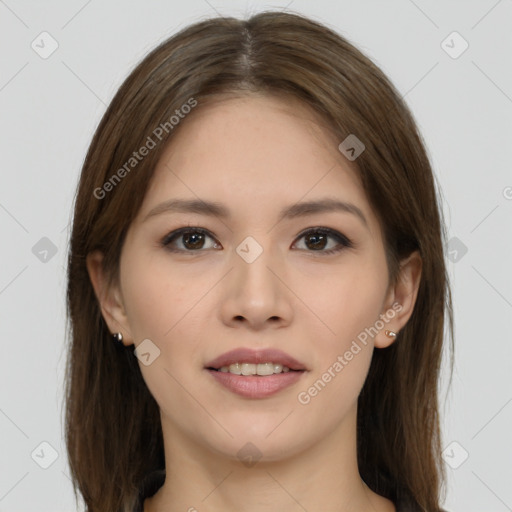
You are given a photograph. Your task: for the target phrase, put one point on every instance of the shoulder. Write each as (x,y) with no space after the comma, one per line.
(408,505)
(149,485)
(154,480)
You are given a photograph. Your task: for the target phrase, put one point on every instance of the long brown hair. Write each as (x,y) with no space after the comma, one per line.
(113,430)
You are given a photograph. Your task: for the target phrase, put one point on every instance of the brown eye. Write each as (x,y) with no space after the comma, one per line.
(316,241)
(189,240)
(324,241)
(193,240)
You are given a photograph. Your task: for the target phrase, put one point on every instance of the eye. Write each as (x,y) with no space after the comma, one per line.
(189,240)
(317,240)
(193,239)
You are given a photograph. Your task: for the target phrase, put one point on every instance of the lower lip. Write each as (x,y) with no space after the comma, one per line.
(254,386)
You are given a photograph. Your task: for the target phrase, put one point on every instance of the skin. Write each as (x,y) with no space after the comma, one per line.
(256,155)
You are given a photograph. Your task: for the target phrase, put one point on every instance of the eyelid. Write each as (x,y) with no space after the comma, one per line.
(184,229)
(343,241)
(326,231)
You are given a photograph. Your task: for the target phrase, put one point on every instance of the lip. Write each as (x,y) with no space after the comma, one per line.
(254,386)
(248,355)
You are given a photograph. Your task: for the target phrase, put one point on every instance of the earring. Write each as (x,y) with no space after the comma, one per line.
(118,339)
(390,334)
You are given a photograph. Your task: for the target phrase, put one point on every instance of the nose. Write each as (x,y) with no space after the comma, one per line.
(255,293)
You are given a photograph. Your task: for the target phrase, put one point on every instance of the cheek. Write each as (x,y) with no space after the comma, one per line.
(157,298)
(350,303)
(162,308)
(340,302)
(165,307)
(333,392)
(348,307)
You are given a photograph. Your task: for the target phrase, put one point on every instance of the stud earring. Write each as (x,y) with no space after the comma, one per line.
(390,334)
(118,339)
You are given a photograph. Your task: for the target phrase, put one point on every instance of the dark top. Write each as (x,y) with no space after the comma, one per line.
(155,480)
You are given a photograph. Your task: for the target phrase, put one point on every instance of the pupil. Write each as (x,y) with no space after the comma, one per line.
(318,241)
(195,240)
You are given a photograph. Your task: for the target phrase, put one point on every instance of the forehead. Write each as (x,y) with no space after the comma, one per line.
(256,153)
(272,126)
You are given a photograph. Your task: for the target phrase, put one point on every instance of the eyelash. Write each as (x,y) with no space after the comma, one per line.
(343,241)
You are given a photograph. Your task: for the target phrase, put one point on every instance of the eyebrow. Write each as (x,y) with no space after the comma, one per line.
(215,209)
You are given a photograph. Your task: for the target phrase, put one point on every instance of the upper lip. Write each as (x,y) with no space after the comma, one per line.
(248,355)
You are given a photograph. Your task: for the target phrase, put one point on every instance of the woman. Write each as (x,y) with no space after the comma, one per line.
(257,222)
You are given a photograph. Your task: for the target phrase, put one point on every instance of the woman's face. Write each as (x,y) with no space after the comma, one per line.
(308,282)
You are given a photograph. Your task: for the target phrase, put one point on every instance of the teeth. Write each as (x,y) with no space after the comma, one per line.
(254,369)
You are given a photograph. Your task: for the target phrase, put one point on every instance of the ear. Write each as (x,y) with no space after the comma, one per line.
(109,298)
(401,299)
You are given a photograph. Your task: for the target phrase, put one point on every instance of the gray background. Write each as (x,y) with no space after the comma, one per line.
(50,107)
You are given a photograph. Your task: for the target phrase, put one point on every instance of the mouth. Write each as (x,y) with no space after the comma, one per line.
(255,374)
(258,370)
(255,362)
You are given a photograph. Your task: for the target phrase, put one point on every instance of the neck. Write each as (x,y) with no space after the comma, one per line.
(324,476)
